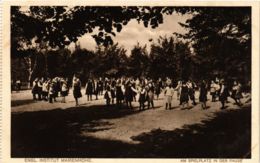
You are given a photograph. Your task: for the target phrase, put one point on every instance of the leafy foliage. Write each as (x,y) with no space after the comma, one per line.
(220,38)
(61,25)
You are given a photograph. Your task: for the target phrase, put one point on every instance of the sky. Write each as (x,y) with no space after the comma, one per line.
(134,32)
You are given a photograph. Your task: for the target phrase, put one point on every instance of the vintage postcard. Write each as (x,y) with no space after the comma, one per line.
(160,81)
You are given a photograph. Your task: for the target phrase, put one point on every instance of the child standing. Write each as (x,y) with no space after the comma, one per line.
(223,93)
(213,91)
(51,92)
(150,95)
(142,97)
(184,98)
(76,85)
(168,93)
(45,90)
(203,94)
(108,96)
(178,88)
(64,90)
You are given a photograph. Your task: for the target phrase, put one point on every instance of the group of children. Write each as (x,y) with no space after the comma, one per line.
(146,89)
(49,89)
(221,90)
(142,90)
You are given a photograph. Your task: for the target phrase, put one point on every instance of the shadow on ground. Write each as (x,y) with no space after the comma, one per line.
(21,102)
(56,133)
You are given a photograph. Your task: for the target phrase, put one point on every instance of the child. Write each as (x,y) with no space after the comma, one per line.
(178,88)
(184,98)
(223,93)
(89,89)
(203,95)
(76,85)
(168,93)
(142,97)
(236,92)
(108,96)
(35,88)
(213,91)
(191,91)
(51,92)
(150,95)
(64,90)
(45,90)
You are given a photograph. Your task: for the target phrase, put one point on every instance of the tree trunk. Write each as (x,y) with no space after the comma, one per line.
(31,67)
(30,72)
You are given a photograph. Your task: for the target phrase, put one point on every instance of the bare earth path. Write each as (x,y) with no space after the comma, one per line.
(92,130)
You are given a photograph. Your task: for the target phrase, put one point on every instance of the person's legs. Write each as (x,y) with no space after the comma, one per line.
(202,105)
(117,101)
(50,99)
(193,100)
(182,105)
(239,102)
(34,96)
(43,96)
(63,99)
(223,104)
(127,104)
(235,99)
(130,105)
(187,104)
(40,96)
(107,101)
(76,100)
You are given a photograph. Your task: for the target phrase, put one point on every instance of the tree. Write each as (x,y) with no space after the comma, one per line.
(57,62)
(61,25)
(221,39)
(138,61)
(170,58)
(111,60)
(58,26)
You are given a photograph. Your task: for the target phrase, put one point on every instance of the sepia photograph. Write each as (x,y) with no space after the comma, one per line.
(131,81)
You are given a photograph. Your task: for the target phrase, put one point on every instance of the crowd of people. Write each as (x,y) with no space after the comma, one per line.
(125,91)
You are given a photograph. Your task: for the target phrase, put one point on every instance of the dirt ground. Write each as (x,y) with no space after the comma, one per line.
(41,129)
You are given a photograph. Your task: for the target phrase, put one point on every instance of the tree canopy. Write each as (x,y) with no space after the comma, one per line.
(61,25)
(219,37)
